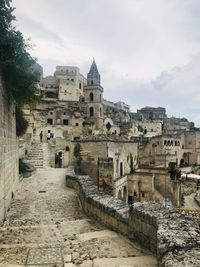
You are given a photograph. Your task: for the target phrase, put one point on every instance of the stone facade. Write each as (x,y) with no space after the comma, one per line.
(66,84)
(8,152)
(176,124)
(182,149)
(151,113)
(111,165)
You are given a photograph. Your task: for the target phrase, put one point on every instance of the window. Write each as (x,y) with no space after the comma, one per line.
(50,121)
(77,124)
(72,80)
(91,111)
(130,199)
(108,126)
(121,168)
(64,113)
(80,85)
(65,122)
(91,82)
(51,112)
(91,96)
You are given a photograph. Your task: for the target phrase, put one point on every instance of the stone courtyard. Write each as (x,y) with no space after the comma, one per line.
(45,226)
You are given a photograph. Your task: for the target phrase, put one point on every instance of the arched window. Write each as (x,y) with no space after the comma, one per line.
(91,96)
(91,82)
(91,111)
(108,126)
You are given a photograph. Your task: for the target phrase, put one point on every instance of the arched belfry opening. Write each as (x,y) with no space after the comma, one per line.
(91,111)
(91,97)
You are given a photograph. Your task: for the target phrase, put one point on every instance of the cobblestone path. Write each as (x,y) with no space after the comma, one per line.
(45,226)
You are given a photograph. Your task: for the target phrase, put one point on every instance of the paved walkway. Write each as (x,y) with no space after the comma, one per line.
(45,226)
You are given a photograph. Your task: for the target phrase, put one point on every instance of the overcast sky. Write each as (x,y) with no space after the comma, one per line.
(147,51)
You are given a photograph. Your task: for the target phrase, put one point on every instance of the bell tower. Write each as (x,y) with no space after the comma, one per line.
(93,93)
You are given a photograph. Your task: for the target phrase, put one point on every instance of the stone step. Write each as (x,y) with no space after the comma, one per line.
(138,261)
(31,157)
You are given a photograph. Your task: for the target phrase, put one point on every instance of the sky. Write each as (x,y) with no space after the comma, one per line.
(147,51)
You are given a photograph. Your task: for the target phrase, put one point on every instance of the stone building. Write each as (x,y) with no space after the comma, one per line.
(182,149)
(9,177)
(151,113)
(173,124)
(146,128)
(108,160)
(66,84)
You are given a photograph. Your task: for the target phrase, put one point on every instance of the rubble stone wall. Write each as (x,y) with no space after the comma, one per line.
(171,236)
(8,152)
(108,210)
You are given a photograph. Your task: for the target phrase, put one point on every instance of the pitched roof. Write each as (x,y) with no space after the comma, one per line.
(93,68)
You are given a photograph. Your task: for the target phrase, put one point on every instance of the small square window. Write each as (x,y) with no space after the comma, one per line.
(77,124)
(50,121)
(65,122)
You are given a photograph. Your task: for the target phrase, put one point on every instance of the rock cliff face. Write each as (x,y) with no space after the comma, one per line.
(8,152)
(171,236)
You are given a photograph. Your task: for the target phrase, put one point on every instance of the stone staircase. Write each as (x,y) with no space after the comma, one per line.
(35,157)
(39,155)
(46,155)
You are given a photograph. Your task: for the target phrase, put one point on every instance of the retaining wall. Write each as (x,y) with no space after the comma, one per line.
(9,177)
(171,236)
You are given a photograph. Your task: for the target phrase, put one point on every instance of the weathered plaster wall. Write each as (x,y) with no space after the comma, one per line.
(8,153)
(171,236)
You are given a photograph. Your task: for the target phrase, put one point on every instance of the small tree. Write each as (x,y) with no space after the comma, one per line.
(16,64)
(77,150)
(130,161)
(175,173)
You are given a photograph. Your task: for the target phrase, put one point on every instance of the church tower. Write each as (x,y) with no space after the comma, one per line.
(93,94)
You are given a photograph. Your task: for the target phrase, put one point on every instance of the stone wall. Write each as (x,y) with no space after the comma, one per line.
(8,152)
(171,236)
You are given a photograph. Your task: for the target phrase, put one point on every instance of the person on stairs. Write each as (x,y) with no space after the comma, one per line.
(41,136)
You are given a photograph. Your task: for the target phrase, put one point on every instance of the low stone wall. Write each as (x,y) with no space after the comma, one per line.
(108,210)
(168,234)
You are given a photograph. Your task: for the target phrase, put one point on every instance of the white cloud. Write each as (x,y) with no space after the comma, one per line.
(147,51)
